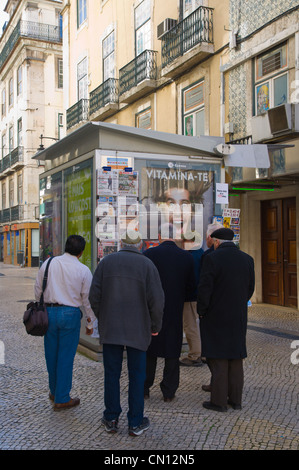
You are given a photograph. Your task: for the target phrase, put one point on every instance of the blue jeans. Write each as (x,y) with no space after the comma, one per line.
(60,342)
(136,361)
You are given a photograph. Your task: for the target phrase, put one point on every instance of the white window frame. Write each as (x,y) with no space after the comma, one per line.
(108,51)
(192,111)
(142,18)
(81,12)
(264,88)
(82,79)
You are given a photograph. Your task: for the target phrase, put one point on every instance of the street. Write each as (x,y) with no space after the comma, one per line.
(268,419)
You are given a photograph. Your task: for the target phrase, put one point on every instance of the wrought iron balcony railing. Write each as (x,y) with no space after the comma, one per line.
(106,93)
(15,156)
(30,29)
(12,214)
(143,67)
(77,113)
(194,29)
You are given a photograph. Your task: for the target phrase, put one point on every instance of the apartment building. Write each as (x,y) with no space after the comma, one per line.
(148,64)
(31,93)
(194,68)
(261,73)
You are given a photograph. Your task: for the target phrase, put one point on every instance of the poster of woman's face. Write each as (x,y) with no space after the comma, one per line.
(180,197)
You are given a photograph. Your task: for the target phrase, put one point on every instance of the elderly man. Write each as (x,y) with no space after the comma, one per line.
(226,284)
(127,297)
(176,270)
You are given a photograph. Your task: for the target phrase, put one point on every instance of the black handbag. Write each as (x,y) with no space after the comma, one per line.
(35,318)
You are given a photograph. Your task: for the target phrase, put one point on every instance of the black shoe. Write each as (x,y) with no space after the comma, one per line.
(168,399)
(235,406)
(210,406)
(110,426)
(137,430)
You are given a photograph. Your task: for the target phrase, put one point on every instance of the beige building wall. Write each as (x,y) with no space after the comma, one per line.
(165,99)
(31,64)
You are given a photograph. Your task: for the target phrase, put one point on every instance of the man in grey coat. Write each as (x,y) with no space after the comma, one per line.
(126,296)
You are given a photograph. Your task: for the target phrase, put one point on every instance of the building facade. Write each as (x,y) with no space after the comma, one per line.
(31,89)
(261,72)
(147,64)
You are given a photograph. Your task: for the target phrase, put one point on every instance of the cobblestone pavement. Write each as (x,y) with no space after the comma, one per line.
(268,419)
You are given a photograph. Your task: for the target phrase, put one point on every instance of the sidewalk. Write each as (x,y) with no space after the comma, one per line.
(268,419)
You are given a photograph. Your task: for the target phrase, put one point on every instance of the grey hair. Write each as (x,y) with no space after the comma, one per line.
(221,241)
(212,227)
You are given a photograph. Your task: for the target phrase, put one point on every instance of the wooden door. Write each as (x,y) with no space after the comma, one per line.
(279,265)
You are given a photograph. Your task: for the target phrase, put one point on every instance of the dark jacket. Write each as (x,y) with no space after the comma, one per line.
(176,269)
(226,284)
(126,296)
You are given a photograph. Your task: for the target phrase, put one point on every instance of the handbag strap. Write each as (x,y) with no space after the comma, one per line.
(46,274)
(45,280)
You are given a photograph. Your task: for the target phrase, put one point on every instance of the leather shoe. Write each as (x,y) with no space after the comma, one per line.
(51,396)
(206,388)
(234,405)
(69,404)
(210,406)
(167,399)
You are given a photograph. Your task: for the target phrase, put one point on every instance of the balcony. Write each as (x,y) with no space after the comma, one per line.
(12,214)
(77,113)
(103,101)
(187,43)
(12,162)
(138,77)
(32,30)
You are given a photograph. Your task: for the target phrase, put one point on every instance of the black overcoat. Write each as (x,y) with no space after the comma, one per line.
(226,284)
(176,269)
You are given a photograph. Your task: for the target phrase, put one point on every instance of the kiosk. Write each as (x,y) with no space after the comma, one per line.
(104,178)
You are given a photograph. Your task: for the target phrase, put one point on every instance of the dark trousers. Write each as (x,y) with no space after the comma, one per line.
(227,381)
(171,375)
(136,361)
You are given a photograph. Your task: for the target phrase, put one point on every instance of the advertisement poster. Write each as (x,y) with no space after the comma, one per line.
(183,197)
(79,208)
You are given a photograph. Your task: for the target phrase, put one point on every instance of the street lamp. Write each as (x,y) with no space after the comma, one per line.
(41,147)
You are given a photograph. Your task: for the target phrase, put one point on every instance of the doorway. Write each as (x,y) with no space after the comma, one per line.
(279,263)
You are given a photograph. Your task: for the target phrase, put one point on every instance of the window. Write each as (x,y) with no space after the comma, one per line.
(271,79)
(60,124)
(3,145)
(82,79)
(3,196)
(59,73)
(20,188)
(142,27)
(19,80)
(11,192)
(190,5)
(10,139)
(193,110)
(143,119)
(3,104)
(81,12)
(108,57)
(20,135)
(10,97)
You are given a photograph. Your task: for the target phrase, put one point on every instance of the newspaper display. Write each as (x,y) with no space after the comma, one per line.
(116,209)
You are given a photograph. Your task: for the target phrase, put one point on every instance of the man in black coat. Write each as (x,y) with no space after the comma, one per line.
(226,284)
(176,270)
